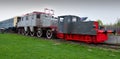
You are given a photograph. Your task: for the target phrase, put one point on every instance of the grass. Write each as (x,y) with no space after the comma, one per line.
(14,46)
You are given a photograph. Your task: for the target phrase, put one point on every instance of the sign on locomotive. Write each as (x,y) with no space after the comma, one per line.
(68,27)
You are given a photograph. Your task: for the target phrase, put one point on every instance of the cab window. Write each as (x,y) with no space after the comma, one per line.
(26,17)
(74,19)
(61,19)
(38,16)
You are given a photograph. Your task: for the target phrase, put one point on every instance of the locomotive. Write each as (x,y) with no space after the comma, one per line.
(38,23)
(68,27)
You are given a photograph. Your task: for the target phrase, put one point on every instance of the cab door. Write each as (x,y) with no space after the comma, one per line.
(64,24)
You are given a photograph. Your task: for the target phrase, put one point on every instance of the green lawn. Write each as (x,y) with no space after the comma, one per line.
(14,46)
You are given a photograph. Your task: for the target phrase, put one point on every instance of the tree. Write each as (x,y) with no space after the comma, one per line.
(118,22)
(100,22)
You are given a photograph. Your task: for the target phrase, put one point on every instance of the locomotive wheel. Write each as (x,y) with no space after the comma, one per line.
(39,33)
(26,33)
(49,34)
(19,31)
(23,32)
(32,33)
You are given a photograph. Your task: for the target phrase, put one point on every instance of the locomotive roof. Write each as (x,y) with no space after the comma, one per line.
(81,18)
(36,12)
(68,15)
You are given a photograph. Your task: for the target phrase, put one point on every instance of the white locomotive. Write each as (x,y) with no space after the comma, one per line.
(37,23)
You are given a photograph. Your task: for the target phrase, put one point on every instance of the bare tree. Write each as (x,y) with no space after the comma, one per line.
(118,22)
(100,22)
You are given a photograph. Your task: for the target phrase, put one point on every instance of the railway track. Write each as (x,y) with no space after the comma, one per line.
(101,45)
(112,46)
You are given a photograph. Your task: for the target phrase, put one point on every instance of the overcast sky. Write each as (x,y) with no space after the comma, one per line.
(106,10)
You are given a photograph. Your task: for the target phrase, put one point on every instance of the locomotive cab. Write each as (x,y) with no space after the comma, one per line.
(65,22)
(75,25)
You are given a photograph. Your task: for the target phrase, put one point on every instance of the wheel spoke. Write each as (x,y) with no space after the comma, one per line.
(26,33)
(32,33)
